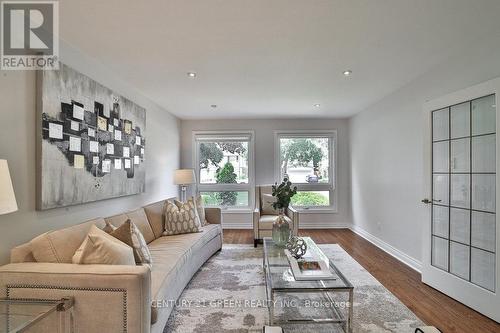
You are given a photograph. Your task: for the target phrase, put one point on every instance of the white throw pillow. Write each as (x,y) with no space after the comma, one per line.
(102,248)
(267,205)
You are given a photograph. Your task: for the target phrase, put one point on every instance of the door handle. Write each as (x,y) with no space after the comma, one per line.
(427,201)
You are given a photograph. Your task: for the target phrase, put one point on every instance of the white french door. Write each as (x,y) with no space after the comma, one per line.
(462,233)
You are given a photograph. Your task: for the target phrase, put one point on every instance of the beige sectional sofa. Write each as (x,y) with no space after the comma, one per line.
(113,298)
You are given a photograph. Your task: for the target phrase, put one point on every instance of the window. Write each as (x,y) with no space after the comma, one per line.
(307,159)
(224,167)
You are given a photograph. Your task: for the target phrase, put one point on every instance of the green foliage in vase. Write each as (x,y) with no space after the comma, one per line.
(226,175)
(283,193)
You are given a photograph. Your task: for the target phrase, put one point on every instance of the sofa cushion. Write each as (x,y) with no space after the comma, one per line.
(101,248)
(140,220)
(266,221)
(58,246)
(154,213)
(169,253)
(131,235)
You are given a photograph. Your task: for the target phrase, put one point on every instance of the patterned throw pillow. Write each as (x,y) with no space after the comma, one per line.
(132,236)
(181,218)
(200,208)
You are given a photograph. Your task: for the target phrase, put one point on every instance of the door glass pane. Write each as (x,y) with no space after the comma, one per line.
(460,120)
(483,192)
(311,199)
(441,156)
(483,115)
(483,230)
(484,153)
(460,191)
(440,191)
(440,253)
(440,221)
(483,269)
(459,260)
(463,240)
(460,225)
(225,198)
(460,155)
(440,125)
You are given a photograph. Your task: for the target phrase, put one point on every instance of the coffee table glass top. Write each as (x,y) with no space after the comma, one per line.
(280,277)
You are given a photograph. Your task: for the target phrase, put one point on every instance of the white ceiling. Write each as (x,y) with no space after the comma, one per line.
(273,58)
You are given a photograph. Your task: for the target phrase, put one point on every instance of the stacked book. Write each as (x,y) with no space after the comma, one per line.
(310,268)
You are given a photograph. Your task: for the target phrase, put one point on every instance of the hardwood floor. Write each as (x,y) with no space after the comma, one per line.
(433,307)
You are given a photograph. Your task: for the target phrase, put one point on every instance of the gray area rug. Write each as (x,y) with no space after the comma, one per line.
(228,295)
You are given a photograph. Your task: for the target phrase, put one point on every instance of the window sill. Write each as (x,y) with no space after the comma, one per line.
(233,210)
(317,210)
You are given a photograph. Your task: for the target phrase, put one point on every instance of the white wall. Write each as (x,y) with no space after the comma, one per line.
(17,145)
(386,144)
(264,161)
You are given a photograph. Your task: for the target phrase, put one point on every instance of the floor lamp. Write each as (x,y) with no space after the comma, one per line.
(184,177)
(8,202)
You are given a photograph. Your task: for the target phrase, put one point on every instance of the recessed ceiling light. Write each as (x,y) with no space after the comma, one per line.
(347,72)
(317,105)
(213,106)
(191,74)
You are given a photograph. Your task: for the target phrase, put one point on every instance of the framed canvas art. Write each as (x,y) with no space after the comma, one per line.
(90,141)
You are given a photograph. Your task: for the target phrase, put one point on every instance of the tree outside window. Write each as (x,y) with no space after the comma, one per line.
(224,163)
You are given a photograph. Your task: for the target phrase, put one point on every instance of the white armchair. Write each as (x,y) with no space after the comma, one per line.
(263,218)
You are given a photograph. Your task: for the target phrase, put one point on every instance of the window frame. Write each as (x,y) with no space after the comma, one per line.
(331,186)
(211,136)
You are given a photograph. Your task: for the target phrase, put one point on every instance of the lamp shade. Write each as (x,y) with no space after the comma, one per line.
(184,177)
(8,202)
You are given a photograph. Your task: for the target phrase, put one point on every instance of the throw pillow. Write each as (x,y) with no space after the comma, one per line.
(109,228)
(101,248)
(181,218)
(267,205)
(200,208)
(132,236)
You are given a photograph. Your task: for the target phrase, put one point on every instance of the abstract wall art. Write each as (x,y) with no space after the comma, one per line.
(90,143)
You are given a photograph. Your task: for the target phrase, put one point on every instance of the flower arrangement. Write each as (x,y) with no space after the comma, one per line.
(283,193)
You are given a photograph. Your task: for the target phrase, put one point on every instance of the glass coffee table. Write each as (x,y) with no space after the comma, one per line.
(280,281)
(30,315)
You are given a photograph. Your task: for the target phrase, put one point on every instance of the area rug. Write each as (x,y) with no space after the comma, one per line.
(227,295)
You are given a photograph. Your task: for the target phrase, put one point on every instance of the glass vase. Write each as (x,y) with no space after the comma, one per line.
(281,230)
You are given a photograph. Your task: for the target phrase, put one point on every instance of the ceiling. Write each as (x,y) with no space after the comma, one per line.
(273,58)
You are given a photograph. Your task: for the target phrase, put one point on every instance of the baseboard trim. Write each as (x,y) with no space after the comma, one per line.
(237,226)
(389,249)
(323,225)
(317,225)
